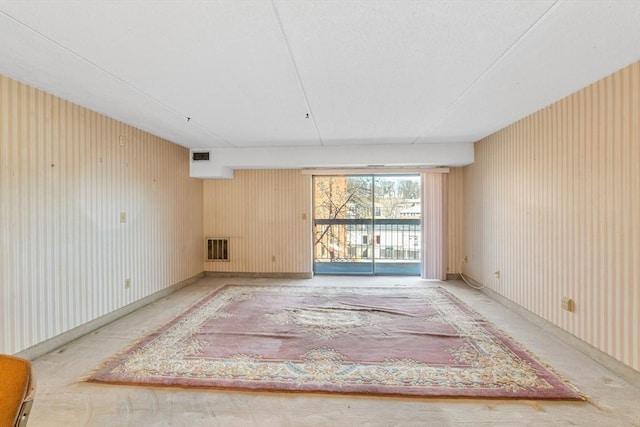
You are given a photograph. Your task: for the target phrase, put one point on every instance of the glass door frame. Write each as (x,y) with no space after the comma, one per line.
(403,235)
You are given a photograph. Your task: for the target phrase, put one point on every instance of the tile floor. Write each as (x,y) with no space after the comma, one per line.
(61,400)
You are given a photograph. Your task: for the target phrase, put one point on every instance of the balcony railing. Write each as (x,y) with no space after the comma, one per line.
(362,240)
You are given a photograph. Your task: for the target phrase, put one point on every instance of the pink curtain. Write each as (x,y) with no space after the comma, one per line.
(434,226)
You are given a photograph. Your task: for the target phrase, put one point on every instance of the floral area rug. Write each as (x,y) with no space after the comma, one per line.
(387,341)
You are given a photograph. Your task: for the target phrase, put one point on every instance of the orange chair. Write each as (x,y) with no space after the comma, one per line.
(17,389)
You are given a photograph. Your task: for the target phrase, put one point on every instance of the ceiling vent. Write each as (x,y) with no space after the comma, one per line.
(217,249)
(200,156)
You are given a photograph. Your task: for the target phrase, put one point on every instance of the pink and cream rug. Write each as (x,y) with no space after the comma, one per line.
(386,341)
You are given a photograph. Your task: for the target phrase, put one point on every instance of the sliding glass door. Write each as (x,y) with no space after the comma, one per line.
(367,224)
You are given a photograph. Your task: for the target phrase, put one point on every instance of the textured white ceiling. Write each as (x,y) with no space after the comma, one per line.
(367,72)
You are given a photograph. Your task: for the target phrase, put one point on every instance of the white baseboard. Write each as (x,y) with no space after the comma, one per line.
(66,337)
(628,373)
(259,275)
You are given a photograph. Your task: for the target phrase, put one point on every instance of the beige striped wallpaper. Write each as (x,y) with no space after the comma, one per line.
(66,174)
(553,203)
(266,214)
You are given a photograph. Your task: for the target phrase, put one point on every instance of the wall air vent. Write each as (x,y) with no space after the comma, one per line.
(217,249)
(199,156)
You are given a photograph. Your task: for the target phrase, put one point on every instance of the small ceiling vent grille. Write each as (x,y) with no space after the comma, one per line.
(199,156)
(217,249)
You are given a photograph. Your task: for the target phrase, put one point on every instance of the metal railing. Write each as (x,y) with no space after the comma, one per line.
(354,240)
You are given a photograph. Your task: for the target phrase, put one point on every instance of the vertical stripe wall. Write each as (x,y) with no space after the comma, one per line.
(266,214)
(66,175)
(553,203)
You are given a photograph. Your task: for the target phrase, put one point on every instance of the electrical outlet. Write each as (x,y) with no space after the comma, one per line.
(127,283)
(466,258)
(123,217)
(568,304)
(497,274)
(273,258)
